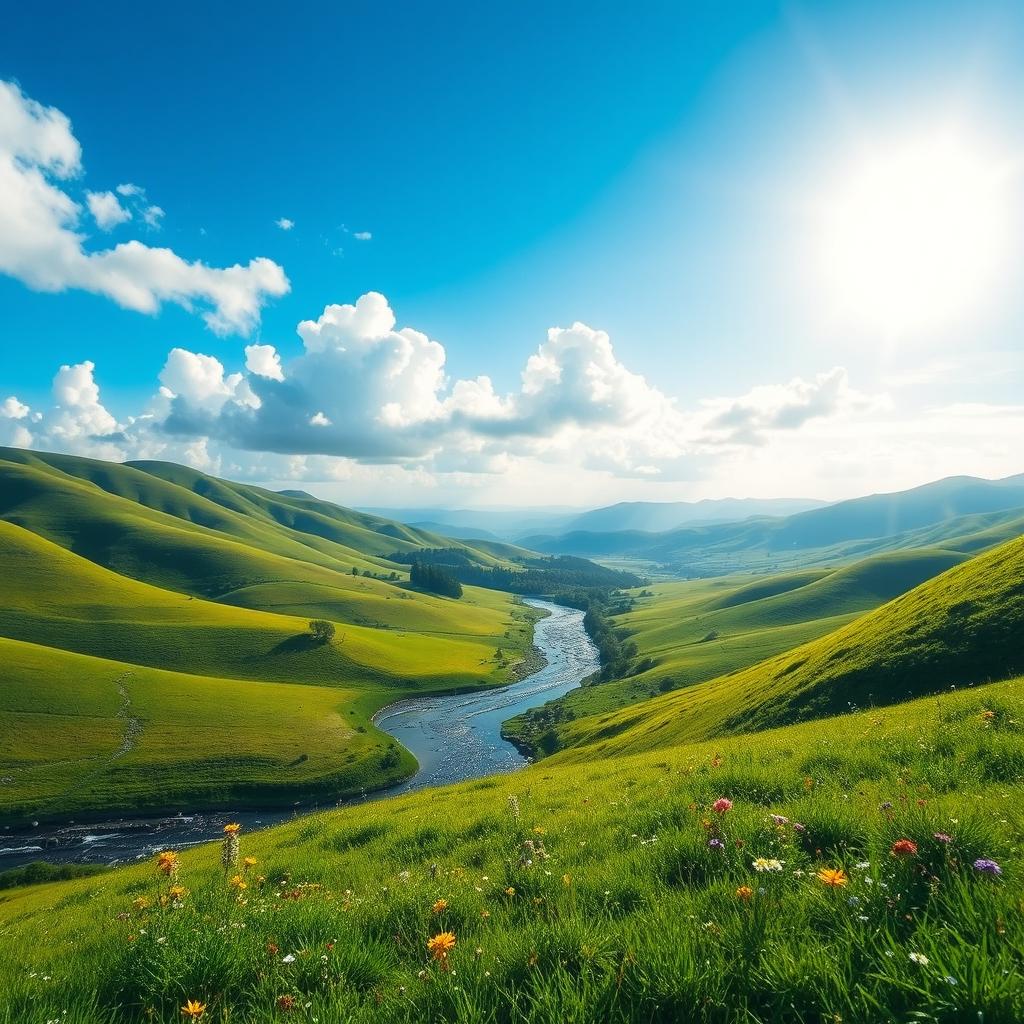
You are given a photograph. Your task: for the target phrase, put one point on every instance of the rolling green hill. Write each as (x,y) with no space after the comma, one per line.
(690,631)
(963,627)
(155,571)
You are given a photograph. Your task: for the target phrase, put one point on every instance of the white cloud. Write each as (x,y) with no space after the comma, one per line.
(264,361)
(41,244)
(12,409)
(153,216)
(200,381)
(367,400)
(14,432)
(750,418)
(362,236)
(367,390)
(284,223)
(106,210)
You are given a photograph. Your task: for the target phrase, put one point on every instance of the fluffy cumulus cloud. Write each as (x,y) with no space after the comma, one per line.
(264,361)
(106,210)
(366,392)
(365,389)
(753,417)
(43,243)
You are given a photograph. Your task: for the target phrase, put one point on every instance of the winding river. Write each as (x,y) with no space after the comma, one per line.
(454,737)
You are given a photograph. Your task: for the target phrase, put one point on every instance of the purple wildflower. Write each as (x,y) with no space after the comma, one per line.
(778,819)
(942,837)
(797,827)
(987,867)
(716,844)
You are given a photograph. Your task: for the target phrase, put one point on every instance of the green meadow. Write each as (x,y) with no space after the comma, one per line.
(799,801)
(602,890)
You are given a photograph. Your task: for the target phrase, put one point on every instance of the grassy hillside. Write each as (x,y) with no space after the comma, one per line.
(691,631)
(83,734)
(645,906)
(962,627)
(135,571)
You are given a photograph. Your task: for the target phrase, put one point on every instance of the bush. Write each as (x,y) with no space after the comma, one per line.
(321,630)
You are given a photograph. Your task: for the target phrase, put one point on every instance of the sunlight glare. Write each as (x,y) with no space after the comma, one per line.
(913,234)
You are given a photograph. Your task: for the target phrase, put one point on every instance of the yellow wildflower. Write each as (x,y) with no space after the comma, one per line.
(834,878)
(167,862)
(441,945)
(440,906)
(238,882)
(194,1009)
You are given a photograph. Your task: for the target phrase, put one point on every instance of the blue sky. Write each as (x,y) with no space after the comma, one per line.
(653,171)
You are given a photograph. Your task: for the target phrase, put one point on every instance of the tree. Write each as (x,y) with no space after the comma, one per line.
(321,630)
(435,579)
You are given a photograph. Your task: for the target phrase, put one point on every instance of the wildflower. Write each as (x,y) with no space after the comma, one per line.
(440,906)
(513,804)
(229,846)
(716,844)
(194,1009)
(539,830)
(177,892)
(797,827)
(920,958)
(744,892)
(289,959)
(767,864)
(808,783)
(510,891)
(441,945)
(566,879)
(286,1003)
(141,903)
(249,862)
(988,715)
(887,806)
(779,819)
(721,805)
(238,883)
(485,914)
(987,867)
(904,848)
(834,878)
(942,837)
(167,863)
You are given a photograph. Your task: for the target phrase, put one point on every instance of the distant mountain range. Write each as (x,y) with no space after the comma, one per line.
(648,516)
(928,514)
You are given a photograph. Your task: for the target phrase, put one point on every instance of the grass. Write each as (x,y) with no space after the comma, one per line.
(629,914)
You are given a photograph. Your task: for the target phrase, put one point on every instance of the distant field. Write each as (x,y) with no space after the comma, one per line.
(691,631)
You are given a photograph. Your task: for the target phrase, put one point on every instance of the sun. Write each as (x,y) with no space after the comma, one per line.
(913,233)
